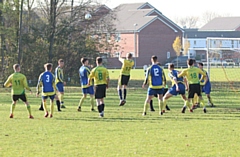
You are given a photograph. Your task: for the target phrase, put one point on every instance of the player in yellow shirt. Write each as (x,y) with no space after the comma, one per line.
(100,76)
(191,74)
(18,82)
(124,77)
(60,83)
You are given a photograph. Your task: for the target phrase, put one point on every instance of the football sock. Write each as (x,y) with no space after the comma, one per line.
(195,99)
(92,102)
(186,103)
(61,98)
(145,107)
(120,94)
(12,107)
(45,106)
(202,102)
(103,106)
(210,100)
(51,107)
(151,104)
(58,104)
(164,103)
(81,101)
(99,108)
(124,93)
(29,109)
(161,105)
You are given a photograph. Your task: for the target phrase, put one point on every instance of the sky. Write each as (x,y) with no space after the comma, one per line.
(183,8)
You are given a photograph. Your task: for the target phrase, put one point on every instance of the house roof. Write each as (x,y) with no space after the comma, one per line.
(141,14)
(222,24)
(195,33)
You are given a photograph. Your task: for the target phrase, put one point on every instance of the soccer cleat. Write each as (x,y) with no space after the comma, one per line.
(11,115)
(152,110)
(194,107)
(92,109)
(101,114)
(190,110)
(59,110)
(161,113)
(184,109)
(211,105)
(79,109)
(41,108)
(31,117)
(51,115)
(167,108)
(46,115)
(144,114)
(122,102)
(205,110)
(198,105)
(62,106)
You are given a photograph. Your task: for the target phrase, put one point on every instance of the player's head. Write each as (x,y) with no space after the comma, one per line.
(190,62)
(129,56)
(99,60)
(158,63)
(170,66)
(48,66)
(154,59)
(16,67)
(61,63)
(84,61)
(200,65)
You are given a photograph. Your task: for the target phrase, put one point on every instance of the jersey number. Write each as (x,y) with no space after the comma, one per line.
(128,68)
(47,80)
(156,71)
(193,75)
(100,77)
(17,82)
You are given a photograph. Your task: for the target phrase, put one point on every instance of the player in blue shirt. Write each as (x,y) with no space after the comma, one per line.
(84,72)
(178,87)
(47,82)
(156,80)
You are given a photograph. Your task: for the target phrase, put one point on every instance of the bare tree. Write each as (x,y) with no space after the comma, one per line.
(188,22)
(208,16)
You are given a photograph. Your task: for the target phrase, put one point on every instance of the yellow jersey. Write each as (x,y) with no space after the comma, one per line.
(59,75)
(100,75)
(18,82)
(192,74)
(126,66)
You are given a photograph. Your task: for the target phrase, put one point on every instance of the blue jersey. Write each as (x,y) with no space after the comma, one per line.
(208,80)
(174,75)
(47,82)
(155,77)
(84,72)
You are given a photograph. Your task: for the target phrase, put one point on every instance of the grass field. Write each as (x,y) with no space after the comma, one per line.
(123,131)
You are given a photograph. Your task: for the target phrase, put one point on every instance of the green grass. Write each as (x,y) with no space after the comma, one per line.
(123,131)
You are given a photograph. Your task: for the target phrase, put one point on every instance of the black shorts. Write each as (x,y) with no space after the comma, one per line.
(194,88)
(22,97)
(123,80)
(100,91)
(165,91)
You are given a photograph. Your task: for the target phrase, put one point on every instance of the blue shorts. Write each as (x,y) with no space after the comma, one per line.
(173,90)
(155,91)
(88,90)
(206,89)
(59,86)
(50,96)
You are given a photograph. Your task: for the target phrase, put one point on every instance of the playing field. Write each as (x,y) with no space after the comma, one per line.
(123,131)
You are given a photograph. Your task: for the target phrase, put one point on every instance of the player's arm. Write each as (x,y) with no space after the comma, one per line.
(90,77)
(146,78)
(182,74)
(120,58)
(8,83)
(39,85)
(54,84)
(164,78)
(107,77)
(204,78)
(25,84)
(59,75)
(186,83)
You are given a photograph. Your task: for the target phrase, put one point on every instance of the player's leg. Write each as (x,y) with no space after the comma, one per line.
(24,99)
(51,105)
(199,93)
(44,101)
(165,98)
(119,89)
(147,102)
(125,83)
(91,93)
(191,92)
(160,102)
(207,91)
(84,96)
(99,96)
(60,89)
(13,105)
(166,106)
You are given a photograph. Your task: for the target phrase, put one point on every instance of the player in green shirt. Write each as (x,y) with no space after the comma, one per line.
(191,74)
(19,83)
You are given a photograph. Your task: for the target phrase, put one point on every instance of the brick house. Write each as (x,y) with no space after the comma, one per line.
(144,31)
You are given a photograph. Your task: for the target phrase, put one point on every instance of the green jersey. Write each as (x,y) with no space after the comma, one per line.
(18,82)
(191,74)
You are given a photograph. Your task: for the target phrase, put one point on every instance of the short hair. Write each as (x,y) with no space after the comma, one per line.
(154,58)
(16,66)
(158,63)
(83,60)
(48,66)
(60,61)
(129,55)
(99,60)
(190,62)
(200,63)
(171,65)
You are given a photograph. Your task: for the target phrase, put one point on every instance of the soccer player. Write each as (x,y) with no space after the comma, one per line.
(156,79)
(60,83)
(191,74)
(100,76)
(84,72)
(47,82)
(124,77)
(178,87)
(18,81)
(206,88)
